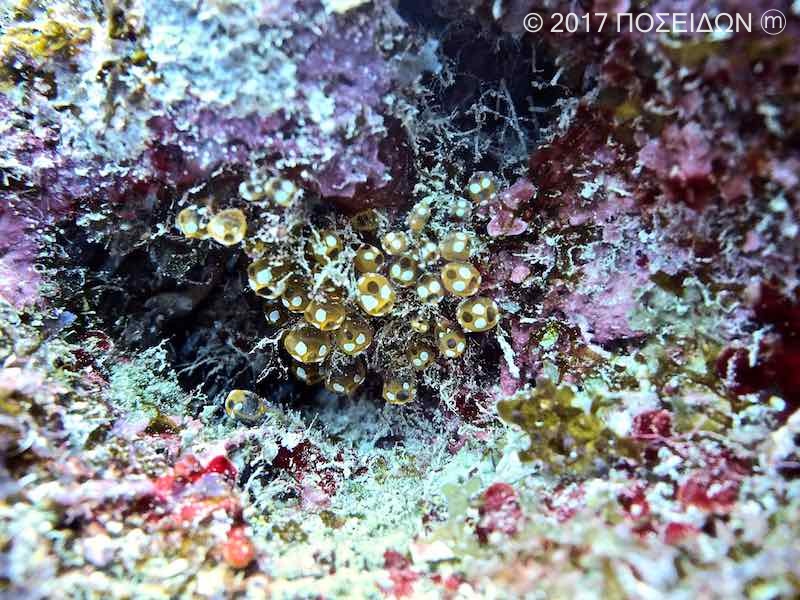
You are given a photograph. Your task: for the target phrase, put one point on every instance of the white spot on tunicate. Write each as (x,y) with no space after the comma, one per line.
(386,292)
(300,348)
(435,287)
(320,315)
(464,272)
(369,302)
(478,309)
(459,286)
(474,188)
(360,338)
(480,323)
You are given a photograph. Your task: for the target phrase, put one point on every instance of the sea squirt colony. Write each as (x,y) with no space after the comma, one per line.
(331,292)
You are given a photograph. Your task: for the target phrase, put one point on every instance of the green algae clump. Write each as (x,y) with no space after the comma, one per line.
(44,40)
(567,438)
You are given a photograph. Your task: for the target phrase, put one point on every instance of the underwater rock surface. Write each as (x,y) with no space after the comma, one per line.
(365,299)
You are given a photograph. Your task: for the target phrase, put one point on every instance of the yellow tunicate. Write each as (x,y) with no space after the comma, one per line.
(295,295)
(404,271)
(252,190)
(419,324)
(228,227)
(326,248)
(325,315)
(428,252)
(365,221)
(461,279)
(420,354)
(275,314)
(281,191)
(450,339)
(255,247)
(307,373)
(245,406)
(354,336)
(375,294)
(396,391)
(306,344)
(456,246)
(347,378)
(333,292)
(482,186)
(268,279)
(429,289)
(477,314)
(368,259)
(192,223)
(395,243)
(418,216)
(461,209)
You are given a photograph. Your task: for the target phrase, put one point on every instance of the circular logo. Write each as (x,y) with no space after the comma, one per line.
(533,22)
(773,21)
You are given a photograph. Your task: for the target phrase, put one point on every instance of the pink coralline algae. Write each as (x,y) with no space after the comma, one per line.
(401,573)
(675,533)
(602,310)
(191,492)
(355,77)
(715,487)
(634,502)
(19,279)
(327,120)
(652,425)
(682,160)
(526,361)
(509,203)
(36,187)
(499,511)
(772,359)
